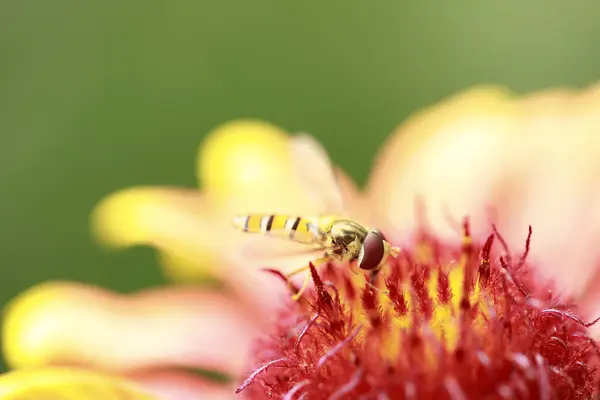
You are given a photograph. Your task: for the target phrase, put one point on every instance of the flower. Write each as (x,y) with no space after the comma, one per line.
(453,323)
(481,148)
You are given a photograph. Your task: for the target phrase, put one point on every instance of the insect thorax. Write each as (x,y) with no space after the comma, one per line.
(346,238)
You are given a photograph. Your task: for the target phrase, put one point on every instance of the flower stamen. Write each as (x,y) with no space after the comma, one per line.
(253,376)
(527,246)
(305,329)
(295,390)
(454,390)
(336,349)
(348,387)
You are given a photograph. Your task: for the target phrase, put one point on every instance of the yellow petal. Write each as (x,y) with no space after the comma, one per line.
(67,383)
(176,221)
(242,154)
(431,156)
(185,267)
(245,166)
(136,215)
(17,315)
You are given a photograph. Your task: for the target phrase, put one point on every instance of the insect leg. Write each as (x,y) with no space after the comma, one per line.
(317,262)
(373,277)
(296,296)
(297,271)
(371,282)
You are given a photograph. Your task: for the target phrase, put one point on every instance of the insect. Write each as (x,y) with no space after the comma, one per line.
(334,237)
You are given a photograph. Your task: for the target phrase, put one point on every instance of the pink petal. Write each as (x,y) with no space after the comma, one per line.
(532,162)
(175,385)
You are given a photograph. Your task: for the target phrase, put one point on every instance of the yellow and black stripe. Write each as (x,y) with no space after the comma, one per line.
(296,228)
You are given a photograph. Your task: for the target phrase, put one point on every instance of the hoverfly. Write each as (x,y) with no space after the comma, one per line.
(335,238)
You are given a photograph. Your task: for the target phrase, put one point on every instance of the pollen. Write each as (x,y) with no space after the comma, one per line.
(441,321)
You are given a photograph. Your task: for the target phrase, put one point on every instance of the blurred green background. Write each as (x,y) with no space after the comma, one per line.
(100,95)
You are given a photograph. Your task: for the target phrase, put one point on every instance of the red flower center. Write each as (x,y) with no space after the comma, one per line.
(446,322)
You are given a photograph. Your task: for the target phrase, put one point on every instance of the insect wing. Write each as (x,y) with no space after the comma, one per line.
(280,241)
(273,250)
(316,174)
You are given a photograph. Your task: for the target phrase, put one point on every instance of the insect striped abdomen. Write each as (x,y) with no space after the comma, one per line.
(293,227)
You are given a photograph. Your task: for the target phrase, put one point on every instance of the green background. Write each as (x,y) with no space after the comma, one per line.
(101,95)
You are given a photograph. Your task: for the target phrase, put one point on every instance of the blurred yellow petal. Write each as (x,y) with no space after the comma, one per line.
(242,154)
(67,384)
(174,220)
(138,215)
(589,99)
(432,156)
(186,267)
(76,324)
(245,166)
(546,100)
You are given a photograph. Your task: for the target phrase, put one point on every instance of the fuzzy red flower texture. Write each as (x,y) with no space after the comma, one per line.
(446,321)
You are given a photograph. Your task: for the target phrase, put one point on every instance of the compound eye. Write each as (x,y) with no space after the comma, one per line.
(371,251)
(380,234)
